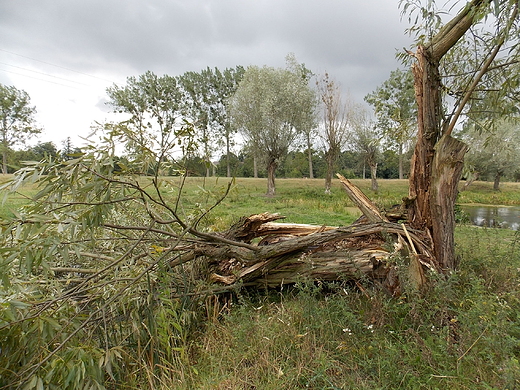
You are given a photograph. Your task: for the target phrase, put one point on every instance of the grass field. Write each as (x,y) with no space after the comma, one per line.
(300,200)
(462,332)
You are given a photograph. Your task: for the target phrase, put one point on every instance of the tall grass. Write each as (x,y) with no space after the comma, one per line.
(463,333)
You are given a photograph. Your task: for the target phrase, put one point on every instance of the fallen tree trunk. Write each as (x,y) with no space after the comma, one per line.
(260,252)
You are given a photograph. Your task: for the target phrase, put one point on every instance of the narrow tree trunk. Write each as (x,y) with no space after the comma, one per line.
(255,166)
(373,177)
(330,168)
(4,162)
(228,151)
(271,171)
(309,156)
(4,149)
(311,168)
(496,183)
(401,158)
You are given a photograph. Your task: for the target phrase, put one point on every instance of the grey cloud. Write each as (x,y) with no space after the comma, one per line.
(354,40)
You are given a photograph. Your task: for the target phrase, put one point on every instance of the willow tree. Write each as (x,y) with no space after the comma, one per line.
(438,156)
(270,108)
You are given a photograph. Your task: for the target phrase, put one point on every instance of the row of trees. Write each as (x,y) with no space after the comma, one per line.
(271,111)
(281,114)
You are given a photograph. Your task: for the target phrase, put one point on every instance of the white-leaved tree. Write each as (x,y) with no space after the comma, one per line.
(270,108)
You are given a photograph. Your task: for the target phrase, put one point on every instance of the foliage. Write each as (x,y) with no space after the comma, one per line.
(495,153)
(367,142)
(396,111)
(269,108)
(487,56)
(17,158)
(154,106)
(205,95)
(307,123)
(16,120)
(87,282)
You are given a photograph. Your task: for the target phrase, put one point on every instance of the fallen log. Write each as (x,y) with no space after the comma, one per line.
(315,252)
(257,251)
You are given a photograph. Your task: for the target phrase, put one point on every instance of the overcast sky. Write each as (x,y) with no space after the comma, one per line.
(65,53)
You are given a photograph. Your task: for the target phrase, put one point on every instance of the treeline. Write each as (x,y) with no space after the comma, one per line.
(350,164)
(295,165)
(42,150)
(263,122)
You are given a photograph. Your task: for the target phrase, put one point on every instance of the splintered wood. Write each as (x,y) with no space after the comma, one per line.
(257,251)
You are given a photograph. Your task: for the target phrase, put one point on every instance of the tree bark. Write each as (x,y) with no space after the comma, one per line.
(432,190)
(288,253)
(271,172)
(373,177)
(496,182)
(228,152)
(309,156)
(329,157)
(446,173)
(4,162)
(5,149)
(429,116)
(401,158)
(255,166)
(311,168)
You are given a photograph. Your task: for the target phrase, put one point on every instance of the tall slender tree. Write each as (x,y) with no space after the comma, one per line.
(337,115)
(396,111)
(152,131)
(366,141)
(205,95)
(307,124)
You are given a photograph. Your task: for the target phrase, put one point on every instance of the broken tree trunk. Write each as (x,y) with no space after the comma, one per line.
(260,252)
